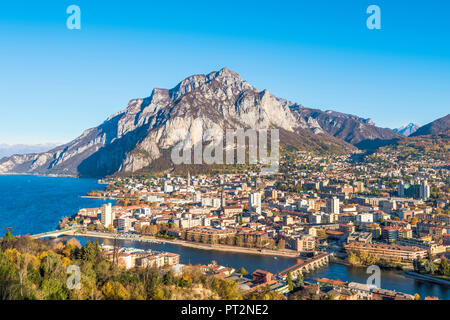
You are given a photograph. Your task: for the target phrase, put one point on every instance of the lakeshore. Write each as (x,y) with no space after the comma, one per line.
(195,245)
(424,277)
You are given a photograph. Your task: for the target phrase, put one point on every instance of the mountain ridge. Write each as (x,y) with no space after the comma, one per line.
(438,126)
(131,139)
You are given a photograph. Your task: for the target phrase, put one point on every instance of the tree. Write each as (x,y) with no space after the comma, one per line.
(7,239)
(300,283)
(418,264)
(243,271)
(430,267)
(444,267)
(91,252)
(289,281)
(114,290)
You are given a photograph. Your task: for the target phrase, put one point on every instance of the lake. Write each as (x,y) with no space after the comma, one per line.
(33,204)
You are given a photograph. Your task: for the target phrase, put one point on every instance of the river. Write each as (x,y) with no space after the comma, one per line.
(392,280)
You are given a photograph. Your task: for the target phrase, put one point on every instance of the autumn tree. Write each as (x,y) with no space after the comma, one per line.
(289,281)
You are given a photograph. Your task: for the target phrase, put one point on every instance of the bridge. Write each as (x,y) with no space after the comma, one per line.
(54,234)
(306,266)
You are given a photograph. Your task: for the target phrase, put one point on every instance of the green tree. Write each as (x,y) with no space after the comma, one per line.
(429,266)
(444,267)
(289,281)
(8,239)
(300,282)
(243,271)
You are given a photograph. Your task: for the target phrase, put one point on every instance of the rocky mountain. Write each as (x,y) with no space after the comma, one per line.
(408,129)
(439,126)
(144,133)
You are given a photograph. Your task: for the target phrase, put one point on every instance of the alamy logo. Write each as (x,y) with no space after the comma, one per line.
(74,280)
(191,150)
(374,20)
(374,281)
(74,20)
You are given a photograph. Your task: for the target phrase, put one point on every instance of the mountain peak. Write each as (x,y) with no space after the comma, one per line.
(225,76)
(408,129)
(228,72)
(133,139)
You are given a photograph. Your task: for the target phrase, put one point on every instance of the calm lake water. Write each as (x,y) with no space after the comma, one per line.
(32,204)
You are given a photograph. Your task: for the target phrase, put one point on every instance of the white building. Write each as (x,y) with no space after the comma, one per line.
(168,188)
(333,205)
(364,218)
(107,216)
(254,202)
(315,218)
(211,202)
(198,196)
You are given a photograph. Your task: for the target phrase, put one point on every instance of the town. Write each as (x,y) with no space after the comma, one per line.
(383,210)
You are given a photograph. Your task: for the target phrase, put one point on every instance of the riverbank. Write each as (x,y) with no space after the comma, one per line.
(423,277)
(195,245)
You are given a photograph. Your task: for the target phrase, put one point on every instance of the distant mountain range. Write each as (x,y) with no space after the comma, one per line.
(7,150)
(408,129)
(144,133)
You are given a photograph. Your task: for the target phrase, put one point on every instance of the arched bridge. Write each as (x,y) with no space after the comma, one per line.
(306,266)
(54,234)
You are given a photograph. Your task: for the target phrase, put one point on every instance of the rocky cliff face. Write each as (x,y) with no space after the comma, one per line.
(134,138)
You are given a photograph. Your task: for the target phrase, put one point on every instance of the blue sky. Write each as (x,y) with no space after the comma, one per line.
(56,82)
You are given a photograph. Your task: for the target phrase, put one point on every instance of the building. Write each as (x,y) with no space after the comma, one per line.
(364,237)
(302,243)
(424,192)
(431,246)
(288,220)
(207,235)
(254,202)
(123,224)
(401,189)
(389,252)
(359,186)
(373,228)
(363,291)
(168,188)
(390,234)
(333,205)
(364,218)
(262,276)
(107,216)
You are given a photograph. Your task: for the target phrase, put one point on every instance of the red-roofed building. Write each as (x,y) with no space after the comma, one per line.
(262,276)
